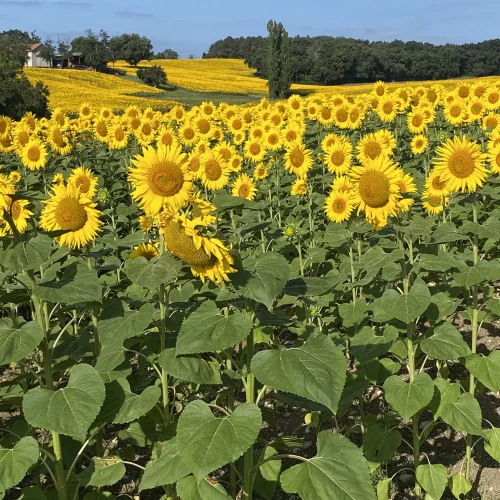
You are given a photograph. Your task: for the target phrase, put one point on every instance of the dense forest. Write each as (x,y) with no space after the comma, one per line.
(327,60)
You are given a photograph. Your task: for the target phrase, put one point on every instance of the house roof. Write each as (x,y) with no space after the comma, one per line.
(34,46)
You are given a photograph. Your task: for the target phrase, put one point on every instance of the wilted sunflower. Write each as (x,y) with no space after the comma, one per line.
(376,188)
(160,176)
(20,214)
(84,179)
(299,187)
(34,155)
(419,144)
(460,164)
(146,250)
(260,172)
(208,257)
(338,158)
(339,206)
(244,187)
(67,210)
(215,170)
(298,159)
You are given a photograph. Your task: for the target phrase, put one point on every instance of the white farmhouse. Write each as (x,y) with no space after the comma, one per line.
(34,59)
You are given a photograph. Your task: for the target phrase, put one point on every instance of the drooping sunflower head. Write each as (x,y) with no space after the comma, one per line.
(67,210)
(147,250)
(161,176)
(244,187)
(84,179)
(339,206)
(34,155)
(460,164)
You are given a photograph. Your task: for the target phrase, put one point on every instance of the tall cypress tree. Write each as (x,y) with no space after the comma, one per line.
(279,68)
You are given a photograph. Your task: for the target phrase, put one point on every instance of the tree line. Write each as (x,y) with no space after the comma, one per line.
(327,60)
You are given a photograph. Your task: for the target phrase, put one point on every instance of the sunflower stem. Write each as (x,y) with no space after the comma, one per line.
(163,299)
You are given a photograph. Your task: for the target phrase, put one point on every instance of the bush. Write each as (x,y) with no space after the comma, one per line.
(153,76)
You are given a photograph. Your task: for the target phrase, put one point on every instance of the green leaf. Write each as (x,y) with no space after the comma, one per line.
(447,393)
(367,345)
(464,415)
(441,262)
(30,255)
(353,313)
(433,479)
(379,445)
(469,277)
(206,443)
(122,405)
(117,323)
(15,462)
(409,397)
(207,330)
(459,485)
(71,410)
(77,284)
(155,272)
(103,472)
(110,357)
(268,474)
(316,370)
(408,307)
(268,277)
(338,471)
(384,489)
(191,369)
(492,443)
(191,489)
(168,468)
(308,287)
(446,233)
(442,306)
(445,343)
(17,343)
(486,369)
(32,493)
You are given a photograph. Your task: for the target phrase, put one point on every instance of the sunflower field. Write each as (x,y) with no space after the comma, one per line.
(294,300)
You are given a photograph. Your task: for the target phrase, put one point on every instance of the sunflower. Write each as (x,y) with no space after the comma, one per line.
(298,159)
(160,176)
(356,116)
(58,142)
(494,159)
(146,250)
(58,179)
(419,144)
(188,135)
(386,109)
(202,209)
(342,183)
(376,188)
(215,170)
(455,112)
(5,125)
(479,88)
(325,115)
(417,122)
(255,150)
(332,139)
(380,89)
(101,131)
(15,176)
(34,155)
(236,162)
(177,113)
(341,115)
(105,113)
(434,204)
(435,185)
(207,108)
(21,136)
(204,127)
(312,111)
(475,108)
(387,138)
(292,132)
(260,171)
(371,147)
(20,214)
(339,206)
(272,139)
(244,187)
(236,124)
(166,136)
(492,98)
(86,110)
(338,158)
(299,187)
(207,257)
(295,102)
(6,189)
(491,122)
(84,179)
(145,133)
(118,137)
(67,210)
(460,164)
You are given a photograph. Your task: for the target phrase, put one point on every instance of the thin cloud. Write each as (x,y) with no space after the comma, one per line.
(36,3)
(129,13)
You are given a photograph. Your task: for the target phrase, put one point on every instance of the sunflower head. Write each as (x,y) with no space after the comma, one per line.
(146,250)
(85,180)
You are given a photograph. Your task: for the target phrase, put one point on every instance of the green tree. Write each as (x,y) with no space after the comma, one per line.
(48,51)
(167,54)
(95,48)
(154,76)
(132,48)
(279,68)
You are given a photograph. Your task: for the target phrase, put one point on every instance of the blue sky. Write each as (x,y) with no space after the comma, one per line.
(190,26)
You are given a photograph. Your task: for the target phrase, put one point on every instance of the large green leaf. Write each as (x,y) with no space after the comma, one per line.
(316,370)
(464,414)
(459,485)
(353,313)
(433,479)
(31,255)
(445,343)
(110,357)
(308,287)
(71,410)
(77,284)
(189,368)
(469,277)
(367,344)
(207,330)
(338,471)
(380,444)
(268,475)
(446,393)
(409,397)
(268,276)
(168,468)
(492,443)
(191,489)
(407,307)
(486,369)
(15,462)
(155,272)
(104,471)
(17,343)
(446,233)
(206,443)
(122,405)
(117,323)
